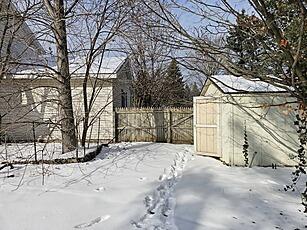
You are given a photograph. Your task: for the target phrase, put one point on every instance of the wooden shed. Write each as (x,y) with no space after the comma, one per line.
(232,110)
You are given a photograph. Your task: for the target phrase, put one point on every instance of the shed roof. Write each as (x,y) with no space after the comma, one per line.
(230,84)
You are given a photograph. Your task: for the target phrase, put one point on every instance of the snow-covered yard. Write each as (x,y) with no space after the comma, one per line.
(45,151)
(148,186)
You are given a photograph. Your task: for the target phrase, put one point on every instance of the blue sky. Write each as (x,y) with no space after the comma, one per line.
(189,19)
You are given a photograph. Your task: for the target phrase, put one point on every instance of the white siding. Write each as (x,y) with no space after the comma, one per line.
(102,111)
(23,102)
(122,84)
(271,133)
(269,124)
(19,108)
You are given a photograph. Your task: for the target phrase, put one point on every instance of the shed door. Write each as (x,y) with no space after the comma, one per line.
(206,116)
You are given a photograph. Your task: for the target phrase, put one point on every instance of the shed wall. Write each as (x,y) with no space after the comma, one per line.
(269,122)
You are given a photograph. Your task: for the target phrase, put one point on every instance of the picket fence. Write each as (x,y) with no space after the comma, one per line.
(172,125)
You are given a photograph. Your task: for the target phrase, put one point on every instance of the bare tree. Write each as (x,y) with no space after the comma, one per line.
(102,22)
(91,29)
(148,53)
(16,39)
(201,66)
(215,21)
(267,42)
(57,12)
(19,50)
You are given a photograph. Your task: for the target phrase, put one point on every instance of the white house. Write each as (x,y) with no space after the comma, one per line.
(230,107)
(31,96)
(28,93)
(18,42)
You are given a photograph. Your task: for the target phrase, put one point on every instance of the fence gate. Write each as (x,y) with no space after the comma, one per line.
(173,125)
(181,127)
(206,121)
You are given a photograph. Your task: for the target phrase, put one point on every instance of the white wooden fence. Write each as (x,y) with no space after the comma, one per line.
(172,125)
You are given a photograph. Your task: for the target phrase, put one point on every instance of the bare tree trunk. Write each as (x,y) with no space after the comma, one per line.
(67,117)
(105,23)
(57,12)
(85,128)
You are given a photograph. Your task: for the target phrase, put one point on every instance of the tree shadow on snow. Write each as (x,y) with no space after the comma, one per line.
(209,201)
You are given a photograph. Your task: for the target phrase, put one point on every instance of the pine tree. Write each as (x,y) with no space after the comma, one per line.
(190,92)
(273,45)
(175,93)
(195,91)
(188,95)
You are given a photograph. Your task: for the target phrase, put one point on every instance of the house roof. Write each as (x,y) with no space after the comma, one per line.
(109,65)
(231,84)
(33,42)
(107,68)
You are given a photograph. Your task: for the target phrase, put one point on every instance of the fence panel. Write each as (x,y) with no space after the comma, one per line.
(173,125)
(182,127)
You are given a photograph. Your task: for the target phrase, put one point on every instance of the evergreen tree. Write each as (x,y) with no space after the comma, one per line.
(190,92)
(273,45)
(188,95)
(175,91)
(195,91)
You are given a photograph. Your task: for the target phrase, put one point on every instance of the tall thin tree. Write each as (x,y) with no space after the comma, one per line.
(56,11)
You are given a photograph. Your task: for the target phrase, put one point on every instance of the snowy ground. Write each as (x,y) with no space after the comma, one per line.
(46,151)
(148,186)
(213,196)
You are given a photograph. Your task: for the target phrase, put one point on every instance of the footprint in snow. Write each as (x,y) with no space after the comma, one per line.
(100,189)
(148,201)
(95,221)
(272,182)
(142,178)
(268,182)
(163,176)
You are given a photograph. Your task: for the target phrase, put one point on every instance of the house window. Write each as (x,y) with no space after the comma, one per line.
(124,99)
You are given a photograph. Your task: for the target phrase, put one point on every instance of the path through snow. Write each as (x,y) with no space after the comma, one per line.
(107,193)
(161,204)
(95,221)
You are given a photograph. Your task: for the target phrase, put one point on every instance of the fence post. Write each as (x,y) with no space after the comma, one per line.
(77,133)
(5,147)
(77,152)
(90,137)
(43,170)
(98,135)
(170,126)
(116,126)
(1,129)
(34,141)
